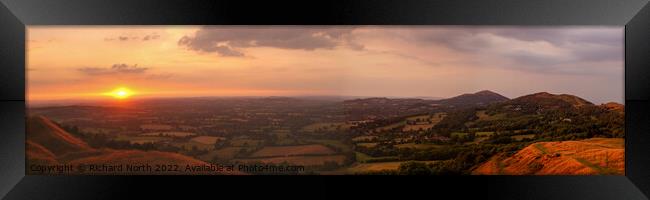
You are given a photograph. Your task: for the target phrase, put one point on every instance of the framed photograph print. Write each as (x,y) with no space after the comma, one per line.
(506,99)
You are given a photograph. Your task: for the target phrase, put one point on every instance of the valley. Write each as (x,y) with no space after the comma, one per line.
(480,133)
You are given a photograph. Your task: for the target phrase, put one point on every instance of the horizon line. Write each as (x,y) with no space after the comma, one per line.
(135,98)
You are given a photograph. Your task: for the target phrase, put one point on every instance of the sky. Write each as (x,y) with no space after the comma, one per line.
(87,62)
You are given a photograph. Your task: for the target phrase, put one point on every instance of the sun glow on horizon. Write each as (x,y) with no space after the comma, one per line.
(121,93)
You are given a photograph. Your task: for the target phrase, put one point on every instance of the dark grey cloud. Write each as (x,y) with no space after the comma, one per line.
(115,69)
(574,44)
(596,44)
(230,41)
(560,47)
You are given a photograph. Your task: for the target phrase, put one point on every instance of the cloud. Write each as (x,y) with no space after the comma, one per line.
(530,48)
(224,50)
(150,37)
(124,38)
(115,69)
(124,71)
(231,41)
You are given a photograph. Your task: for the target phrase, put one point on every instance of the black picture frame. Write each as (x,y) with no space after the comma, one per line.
(15,15)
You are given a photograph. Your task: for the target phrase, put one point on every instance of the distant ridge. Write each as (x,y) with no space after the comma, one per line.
(548,99)
(483,97)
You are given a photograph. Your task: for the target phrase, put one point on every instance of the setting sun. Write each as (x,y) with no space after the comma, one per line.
(121,93)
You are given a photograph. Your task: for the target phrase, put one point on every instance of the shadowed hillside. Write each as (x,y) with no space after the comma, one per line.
(48,144)
(42,131)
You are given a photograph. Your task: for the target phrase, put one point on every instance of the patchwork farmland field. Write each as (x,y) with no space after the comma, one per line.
(207,139)
(364,138)
(419,127)
(223,154)
(418,146)
(334,144)
(363,158)
(337,126)
(245,142)
(297,160)
(169,134)
(423,122)
(521,137)
(276,151)
(378,166)
(141,139)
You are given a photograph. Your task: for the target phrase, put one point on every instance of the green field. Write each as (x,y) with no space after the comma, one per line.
(420,117)
(521,137)
(169,134)
(379,166)
(418,146)
(364,138)
(362,157)
(482,116)
(418,127)
(391,126)
(207,139)
(484,134)
(427,121)
(334,143)
(141,139)
(325,126)
(191,144)
(283,137)
(224,154)
(286,141)
(435,118)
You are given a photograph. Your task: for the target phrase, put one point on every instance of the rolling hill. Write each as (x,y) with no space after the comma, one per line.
(389,107)
(41,131)
(484,97)
(546,101)
(595,156)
